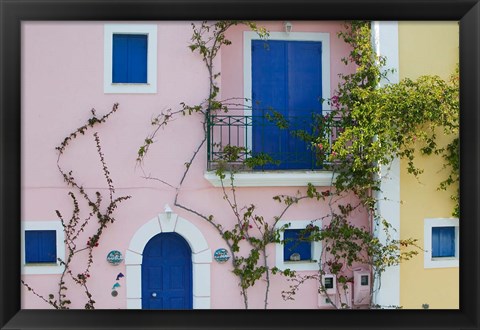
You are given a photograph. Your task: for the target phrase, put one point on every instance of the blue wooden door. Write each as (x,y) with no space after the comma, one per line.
(286,78)
(167,273)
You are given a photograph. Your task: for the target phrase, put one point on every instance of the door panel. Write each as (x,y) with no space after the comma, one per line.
(167,273)
(286,78)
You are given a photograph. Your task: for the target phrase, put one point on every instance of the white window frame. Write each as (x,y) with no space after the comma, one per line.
(440,262)
(48,268)
(302,265)
(150,87)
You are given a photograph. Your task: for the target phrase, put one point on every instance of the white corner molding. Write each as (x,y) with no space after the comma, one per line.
(138,88)
(387,293)
(275,179)
(428,261)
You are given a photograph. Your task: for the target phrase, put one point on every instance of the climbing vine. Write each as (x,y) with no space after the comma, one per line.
(207,39)
(100,216)
(371,123)
(368,127)
(382,123)
(377,123)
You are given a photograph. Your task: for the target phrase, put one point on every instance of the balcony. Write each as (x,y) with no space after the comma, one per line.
(269,146)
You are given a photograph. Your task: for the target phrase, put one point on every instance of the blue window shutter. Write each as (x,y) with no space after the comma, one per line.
(295,242)
(269,89)
(129,61)
(287,78)
(443,242)
(40,246)
(120,58)
(137,59)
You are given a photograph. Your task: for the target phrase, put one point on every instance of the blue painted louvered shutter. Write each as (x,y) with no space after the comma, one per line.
(269,92)
(287,78)
(295,241)
(40,246)
(304,97)
(443,242)
(129,58)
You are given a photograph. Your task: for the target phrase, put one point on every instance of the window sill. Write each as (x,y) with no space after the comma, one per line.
(446,262)
(30,264)
(299,266)
(299,262)
(275,179)
(42,269)
(130,84)
(443,258)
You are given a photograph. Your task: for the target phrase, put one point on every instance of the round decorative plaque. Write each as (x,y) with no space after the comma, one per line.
(221,255)
(114,257)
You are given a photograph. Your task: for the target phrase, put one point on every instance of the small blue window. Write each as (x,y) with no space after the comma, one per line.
(129,58)
(40,246)
(296,245)
(443,242)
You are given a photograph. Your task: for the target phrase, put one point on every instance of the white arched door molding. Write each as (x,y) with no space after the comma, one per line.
(201,258)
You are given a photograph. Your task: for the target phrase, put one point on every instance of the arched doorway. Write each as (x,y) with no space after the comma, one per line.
(167,273)
(200,258)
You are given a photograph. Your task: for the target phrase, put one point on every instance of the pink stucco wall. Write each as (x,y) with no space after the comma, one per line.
(62,79)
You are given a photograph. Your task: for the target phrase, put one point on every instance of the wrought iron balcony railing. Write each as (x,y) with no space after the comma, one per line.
(280,142)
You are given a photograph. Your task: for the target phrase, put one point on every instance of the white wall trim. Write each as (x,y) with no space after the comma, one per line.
(385,43)
(201,258)
(300,265)
(275,179)
(54,268)
(148,29)
(430,262)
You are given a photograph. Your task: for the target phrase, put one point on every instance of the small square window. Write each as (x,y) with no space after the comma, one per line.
(441,242)
(296,245)
(129,62)
(43,245)
(130,58)
(40,246)
(364,280)
(294,240)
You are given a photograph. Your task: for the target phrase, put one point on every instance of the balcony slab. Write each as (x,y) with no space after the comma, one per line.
(275,179)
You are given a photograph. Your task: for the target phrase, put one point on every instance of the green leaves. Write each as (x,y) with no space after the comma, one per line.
(394,120)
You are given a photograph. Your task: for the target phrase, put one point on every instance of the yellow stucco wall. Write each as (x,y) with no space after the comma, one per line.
(426,48)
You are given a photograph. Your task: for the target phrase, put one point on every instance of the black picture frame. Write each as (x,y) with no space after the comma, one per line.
(13,12)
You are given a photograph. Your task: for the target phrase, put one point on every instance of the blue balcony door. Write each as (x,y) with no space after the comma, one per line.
(167,273)
(287,78)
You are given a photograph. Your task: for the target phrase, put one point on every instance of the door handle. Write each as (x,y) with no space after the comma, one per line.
(154,294)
